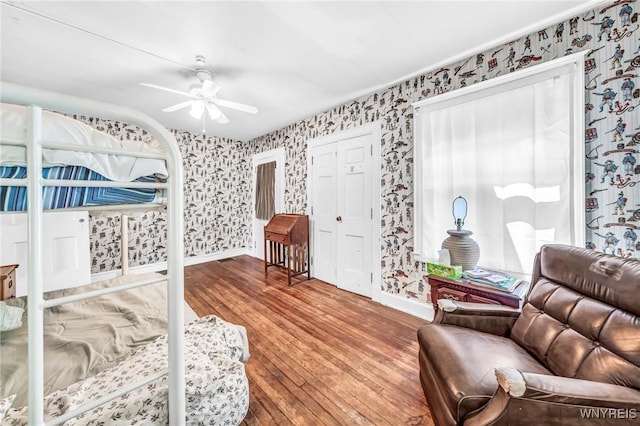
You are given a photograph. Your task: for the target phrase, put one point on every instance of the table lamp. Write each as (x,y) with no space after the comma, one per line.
(463,249)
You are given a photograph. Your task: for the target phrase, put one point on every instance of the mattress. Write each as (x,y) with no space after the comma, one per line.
(59,128)
(217,389)
(96,346)
(14,198)
(76,165)
(85,337)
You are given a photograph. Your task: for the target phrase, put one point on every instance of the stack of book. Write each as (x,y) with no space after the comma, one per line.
(492,279)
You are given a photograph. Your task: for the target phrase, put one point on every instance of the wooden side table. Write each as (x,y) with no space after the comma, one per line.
(467,291)
(7,281)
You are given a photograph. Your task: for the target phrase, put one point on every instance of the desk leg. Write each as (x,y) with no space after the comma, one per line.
(308,259)
(265,257)
(287,252)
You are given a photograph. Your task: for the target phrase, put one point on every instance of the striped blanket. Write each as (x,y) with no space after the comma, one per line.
(14,198)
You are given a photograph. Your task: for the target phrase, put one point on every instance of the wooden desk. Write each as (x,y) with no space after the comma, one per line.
(287,238)
(466,291)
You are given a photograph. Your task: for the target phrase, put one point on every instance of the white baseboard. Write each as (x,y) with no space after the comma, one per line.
(161,266)
(410,306)
(194,260)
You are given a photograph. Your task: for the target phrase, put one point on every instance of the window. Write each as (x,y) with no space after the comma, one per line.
(513,147)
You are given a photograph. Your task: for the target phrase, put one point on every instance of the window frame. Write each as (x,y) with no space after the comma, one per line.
(574,62)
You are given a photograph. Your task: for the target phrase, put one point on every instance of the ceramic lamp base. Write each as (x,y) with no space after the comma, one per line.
(463,249)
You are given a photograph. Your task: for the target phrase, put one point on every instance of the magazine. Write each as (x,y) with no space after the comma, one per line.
(492,279)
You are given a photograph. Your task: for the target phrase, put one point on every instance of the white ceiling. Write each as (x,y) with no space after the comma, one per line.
(290,59)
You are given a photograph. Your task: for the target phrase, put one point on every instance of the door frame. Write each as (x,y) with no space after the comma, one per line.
(375,130)
(278,155)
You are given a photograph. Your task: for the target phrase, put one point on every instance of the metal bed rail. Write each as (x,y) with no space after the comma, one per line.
(36,100)
(85,148)
(84,183)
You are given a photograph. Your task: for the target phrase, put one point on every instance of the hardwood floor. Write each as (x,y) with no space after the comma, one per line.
(319,355)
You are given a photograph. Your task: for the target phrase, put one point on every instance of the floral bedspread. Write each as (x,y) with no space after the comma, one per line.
(217,390)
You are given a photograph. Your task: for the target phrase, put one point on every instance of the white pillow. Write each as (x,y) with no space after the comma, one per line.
(10,317)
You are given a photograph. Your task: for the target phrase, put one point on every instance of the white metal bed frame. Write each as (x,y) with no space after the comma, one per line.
(36,100)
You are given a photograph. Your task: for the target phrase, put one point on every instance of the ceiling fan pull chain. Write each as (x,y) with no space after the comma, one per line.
(203,129)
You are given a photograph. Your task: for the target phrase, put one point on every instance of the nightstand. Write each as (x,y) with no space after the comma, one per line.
(7,281)
(466,291)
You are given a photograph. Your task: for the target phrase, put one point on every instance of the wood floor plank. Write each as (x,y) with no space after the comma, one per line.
(265,409)
(288,336)
(320,355)
(344,347)
(332,402)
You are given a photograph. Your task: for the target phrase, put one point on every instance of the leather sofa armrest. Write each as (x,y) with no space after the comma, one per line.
(494,319)
(556,400)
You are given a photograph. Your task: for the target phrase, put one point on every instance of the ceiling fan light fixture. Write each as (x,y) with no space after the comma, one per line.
(214,111)
(222,119)
(197,108)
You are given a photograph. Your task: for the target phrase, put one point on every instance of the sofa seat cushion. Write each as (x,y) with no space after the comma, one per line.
(462,362)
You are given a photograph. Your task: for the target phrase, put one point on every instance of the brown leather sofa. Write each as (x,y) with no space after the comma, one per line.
(571,356)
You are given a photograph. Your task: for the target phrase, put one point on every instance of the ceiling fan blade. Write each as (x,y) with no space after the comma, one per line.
(166,89)
(209,88)
(177,106)
(235,105)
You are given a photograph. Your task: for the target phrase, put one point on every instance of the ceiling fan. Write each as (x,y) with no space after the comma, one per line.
(204,96)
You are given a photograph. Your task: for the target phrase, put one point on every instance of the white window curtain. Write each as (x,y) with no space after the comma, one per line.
(512,149)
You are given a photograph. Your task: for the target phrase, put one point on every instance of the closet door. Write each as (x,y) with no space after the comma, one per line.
(354,211)
(324,212)
(341,213)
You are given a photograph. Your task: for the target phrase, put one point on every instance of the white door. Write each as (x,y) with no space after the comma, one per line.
(325,211)
(277,155)
(355,215)
(342,213)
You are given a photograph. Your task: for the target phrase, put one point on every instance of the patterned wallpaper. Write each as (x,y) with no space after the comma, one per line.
(217,196)
(612,135)
(218,173)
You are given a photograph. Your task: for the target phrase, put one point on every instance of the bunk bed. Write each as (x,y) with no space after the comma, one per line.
(158,371)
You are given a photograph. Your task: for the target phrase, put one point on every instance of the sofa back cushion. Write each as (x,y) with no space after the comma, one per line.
(581,318)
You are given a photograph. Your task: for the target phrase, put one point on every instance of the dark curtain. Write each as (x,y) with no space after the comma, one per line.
(265,190)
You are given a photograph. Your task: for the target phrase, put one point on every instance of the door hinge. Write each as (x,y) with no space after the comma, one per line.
(372,150)
(311,210)
(372,278)
(311,261)
(371,213)
(312,160)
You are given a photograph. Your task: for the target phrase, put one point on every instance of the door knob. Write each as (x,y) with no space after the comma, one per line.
(339,218)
